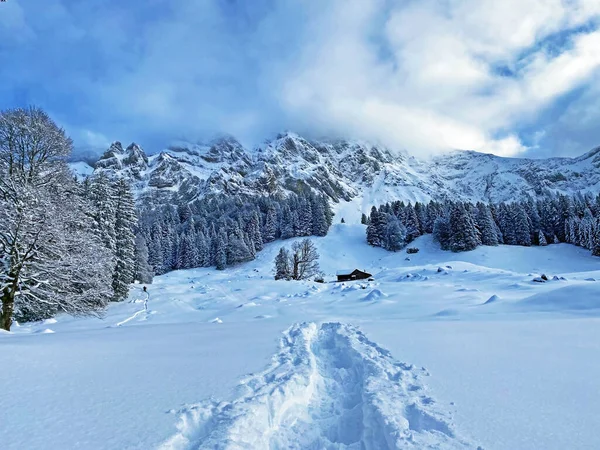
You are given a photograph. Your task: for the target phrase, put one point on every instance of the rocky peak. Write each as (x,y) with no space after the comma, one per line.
(111,159)
(136,156)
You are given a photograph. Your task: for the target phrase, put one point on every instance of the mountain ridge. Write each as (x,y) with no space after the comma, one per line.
(341,169)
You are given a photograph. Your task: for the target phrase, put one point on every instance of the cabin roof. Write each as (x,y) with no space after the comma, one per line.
(345,272)
(349,271)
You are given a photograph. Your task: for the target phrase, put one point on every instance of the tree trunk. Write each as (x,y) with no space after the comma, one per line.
(8,305)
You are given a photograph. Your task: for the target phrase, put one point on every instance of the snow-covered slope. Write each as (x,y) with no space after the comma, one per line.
(440,351)
(343,170)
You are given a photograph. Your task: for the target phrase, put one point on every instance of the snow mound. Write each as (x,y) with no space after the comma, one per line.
(375,294)
(493,299)
(49,321)
(450,312)
(246,305)
(216,320)
(569,298)
(45,331)
(328,387)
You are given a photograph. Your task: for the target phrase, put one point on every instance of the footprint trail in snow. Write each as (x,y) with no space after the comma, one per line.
(328,387)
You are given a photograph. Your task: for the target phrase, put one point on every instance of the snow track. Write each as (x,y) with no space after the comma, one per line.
(329,387)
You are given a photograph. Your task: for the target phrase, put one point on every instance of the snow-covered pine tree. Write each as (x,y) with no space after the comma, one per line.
(155,250)
(253,231)
(395,234)
(287,223)
(542,239)
(372,229)
(463,233)
(328,211)
(363,219)
(142,271)
(519,223)
(237,249)
(305,218)
(535,222)
(221,251)
(411,223)
(101,193)
(486,225)
(270,228)
(319,217)
(441,232)
(596,238)
(421,213)
(433,211)
(125,223)
(282,265)
(586,230)
(203,246)
(186,256)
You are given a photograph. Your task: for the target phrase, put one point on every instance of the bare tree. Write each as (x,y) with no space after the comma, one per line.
(48,258)
(304,260)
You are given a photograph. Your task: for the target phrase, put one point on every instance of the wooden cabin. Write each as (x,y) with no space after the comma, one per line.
(351,275)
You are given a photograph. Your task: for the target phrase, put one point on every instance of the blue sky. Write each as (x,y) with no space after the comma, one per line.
(517,77)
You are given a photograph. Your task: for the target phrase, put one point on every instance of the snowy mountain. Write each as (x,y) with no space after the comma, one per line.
(343,170)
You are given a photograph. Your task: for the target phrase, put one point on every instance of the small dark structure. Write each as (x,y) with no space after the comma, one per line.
(351,275)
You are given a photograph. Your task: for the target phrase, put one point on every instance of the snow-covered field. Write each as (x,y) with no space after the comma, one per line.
(440,351)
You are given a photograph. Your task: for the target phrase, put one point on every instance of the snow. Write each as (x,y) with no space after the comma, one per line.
(81,169)
(328,387)
(475,355)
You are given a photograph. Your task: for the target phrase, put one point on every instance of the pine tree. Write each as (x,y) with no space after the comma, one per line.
(237,247)
(596,239)
(363,219)
(101,193)
(441,232)
(411,223)
(542,239)
(372,229)
(282,265)
(221,251)
(202,244)
(125,222)
(254,233)
(320,226)
(287,223)
(142,270)
(305,219)
(270,228)
(520,225)
(395,235)
(486,225)
(463,233)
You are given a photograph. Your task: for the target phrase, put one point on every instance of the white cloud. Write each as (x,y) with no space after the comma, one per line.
(425,76)
(441,90)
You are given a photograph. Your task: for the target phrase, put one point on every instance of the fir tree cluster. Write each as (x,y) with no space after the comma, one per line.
(112,207)
(463,226)
(223,231)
